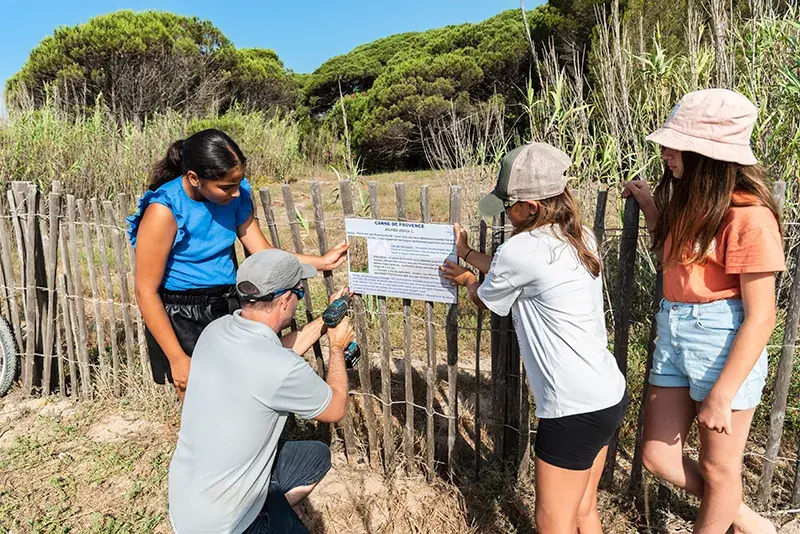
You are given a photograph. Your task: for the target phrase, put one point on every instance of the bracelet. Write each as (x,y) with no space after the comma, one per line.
(467,254)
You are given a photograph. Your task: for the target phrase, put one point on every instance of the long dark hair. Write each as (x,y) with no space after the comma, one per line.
(562,210)
(211,154)
(693,206)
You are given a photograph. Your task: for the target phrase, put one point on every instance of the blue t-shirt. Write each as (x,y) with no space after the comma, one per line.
(201,252)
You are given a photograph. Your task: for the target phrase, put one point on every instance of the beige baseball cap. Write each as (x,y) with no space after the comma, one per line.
(716,123)
(534,171)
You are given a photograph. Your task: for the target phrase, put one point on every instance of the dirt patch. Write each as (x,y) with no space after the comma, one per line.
(361,501)
(115,428)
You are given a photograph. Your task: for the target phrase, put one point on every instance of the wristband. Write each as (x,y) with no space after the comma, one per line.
(467,254)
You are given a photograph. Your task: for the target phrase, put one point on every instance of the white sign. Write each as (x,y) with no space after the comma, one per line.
(400,259)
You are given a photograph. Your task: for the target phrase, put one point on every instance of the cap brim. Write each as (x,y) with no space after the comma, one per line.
(491,205)
(307,271)
(669,138)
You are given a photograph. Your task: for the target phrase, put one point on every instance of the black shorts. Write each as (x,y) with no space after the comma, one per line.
(573,442)
(189,313)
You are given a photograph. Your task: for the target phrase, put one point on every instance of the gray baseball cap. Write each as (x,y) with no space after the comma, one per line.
(268,271)
(535,171)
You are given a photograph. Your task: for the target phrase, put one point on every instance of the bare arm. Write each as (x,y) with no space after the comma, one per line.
(477,259)
(253,240)
(156,234)
(462,277)
(758,297)
(338,339)
(303,339)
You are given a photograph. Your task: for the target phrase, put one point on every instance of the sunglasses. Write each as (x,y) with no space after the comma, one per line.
(299,291)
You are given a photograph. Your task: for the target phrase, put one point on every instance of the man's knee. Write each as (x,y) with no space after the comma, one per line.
(319,458)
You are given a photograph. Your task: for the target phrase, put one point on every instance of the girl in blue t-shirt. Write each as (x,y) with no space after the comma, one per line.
(197,205)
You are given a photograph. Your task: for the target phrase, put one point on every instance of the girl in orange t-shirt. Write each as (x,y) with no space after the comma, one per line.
(717,231)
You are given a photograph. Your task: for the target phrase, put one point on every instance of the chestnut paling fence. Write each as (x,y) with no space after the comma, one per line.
(66,288)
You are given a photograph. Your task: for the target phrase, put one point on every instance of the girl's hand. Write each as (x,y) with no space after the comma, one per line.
(180,374)
(715,414)
(462,244)
(334,258)
(639,189)
(456,274)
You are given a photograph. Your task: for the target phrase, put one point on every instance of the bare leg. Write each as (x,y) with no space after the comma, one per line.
(668,417)
(295,495)
(558,498)
(588,518)
(721,468)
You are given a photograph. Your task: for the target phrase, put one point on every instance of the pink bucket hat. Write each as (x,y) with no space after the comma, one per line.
(716,123)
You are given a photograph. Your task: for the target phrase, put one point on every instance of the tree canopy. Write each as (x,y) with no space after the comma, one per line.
(144,62)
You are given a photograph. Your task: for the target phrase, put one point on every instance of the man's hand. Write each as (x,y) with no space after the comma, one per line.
(335,257)
(457,274)
(180,373)
(462,241)
(339,294)
(715,414)
(341,335)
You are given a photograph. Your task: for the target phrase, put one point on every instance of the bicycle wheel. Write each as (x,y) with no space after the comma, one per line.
(8,357)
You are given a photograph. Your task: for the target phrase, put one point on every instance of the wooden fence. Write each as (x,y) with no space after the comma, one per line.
(66,287)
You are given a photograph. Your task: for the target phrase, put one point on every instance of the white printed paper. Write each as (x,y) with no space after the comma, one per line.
(400,259)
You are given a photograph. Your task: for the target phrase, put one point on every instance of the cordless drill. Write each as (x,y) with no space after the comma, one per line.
(332,316)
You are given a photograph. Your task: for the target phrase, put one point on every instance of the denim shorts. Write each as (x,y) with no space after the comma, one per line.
(692,347)
(297,464)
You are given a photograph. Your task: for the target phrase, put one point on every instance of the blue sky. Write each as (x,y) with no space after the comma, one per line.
(304,33)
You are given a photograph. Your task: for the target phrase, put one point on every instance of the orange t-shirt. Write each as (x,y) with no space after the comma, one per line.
(748,241)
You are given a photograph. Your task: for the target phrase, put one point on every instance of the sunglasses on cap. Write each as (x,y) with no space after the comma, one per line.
(508,203)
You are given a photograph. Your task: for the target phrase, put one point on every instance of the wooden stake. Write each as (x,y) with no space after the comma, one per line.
(400,193)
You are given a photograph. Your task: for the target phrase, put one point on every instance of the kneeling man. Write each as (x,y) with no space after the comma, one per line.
(230,472)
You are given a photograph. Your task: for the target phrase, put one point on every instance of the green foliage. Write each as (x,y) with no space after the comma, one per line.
(140,62)
(259,80)
(397,88)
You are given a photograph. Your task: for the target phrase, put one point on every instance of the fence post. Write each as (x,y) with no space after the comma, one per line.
(112,321)
(364,368)
(322,238)
(98,316)
(635,483)
(400,193)
(451,336)
(8,269)
(78,302)
(430,338)
(499,344)
(386,369)
(478,332)
(119,259)
(624,289)
(64,291)
(291,216)
(54,207)
(781,391)
(144,362)
(600,217)
(31,290)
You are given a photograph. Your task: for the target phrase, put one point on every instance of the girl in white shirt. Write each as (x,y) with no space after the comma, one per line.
(548,274)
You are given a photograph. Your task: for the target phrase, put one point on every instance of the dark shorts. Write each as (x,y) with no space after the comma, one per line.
(573,442)
(297,464)
(189,313)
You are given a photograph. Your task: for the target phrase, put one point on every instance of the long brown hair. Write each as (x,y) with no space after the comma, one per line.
(693,206)
(563,211)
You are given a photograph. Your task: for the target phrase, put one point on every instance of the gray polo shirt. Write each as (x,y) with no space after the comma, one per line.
(243,385)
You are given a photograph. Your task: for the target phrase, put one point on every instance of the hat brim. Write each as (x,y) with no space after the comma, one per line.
(669,138)
(307,271)
(491,205)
